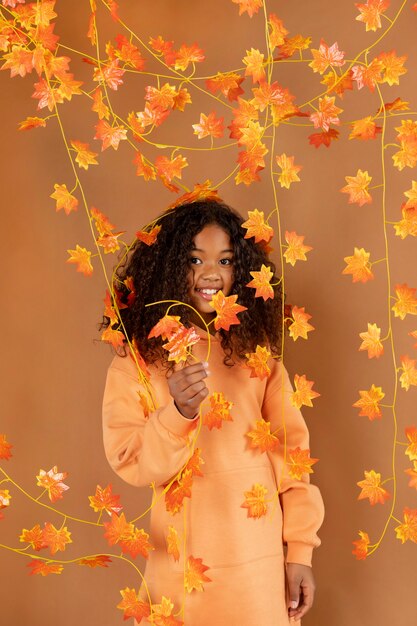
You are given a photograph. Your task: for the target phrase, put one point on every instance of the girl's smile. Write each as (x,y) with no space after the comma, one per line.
(211,269)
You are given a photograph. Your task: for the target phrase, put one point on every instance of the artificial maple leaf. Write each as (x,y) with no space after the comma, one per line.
(292,44)
(255,501)
(81,256)
(261,282)
(110,242)
(170,168)
(182,97)
(109,310)
(5,448)
(364,129)
(253,159)
(105,500)
(19,61)
(109,135)
(277,31)
(110,74)
(194,576)
(289,171)
(179,490)
(358,265)
(34,537)
(47,96)
(179,343)
(299,462)
(393,67)
(99,106)
(209,126)
(228,84)
(368,75)
(100,560)
(166,327)
(412,471)
(369,402)
(361,546)
(43,568)
(136,543)
(31,122)
(219,411)
(85,157)
(254,61)
(64,199)
(327,113)
(326,57)
(56,538)
(118,529)
(411,451)
(303,394)
(226,309)
(276,96)
(257,227)
(251,134)
(411,194)
(257,362)
(300,326)
(408,225)
(188,54)
(132,606)
(249,6)
(129,53)
(296,250)
(143,168)
(406,301)
(407,156)
(338,84)
(409,375)
(5,498)
(200,192)
(324,138)
(261,437)
(370,13)
(371,341)
(101,222)
(52,481)
(173,544)
(161,614)
(371,488)
(114,337)
(408,529)
(163,98)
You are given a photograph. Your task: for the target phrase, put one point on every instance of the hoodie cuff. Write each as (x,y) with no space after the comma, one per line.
(298,552)
(175,422)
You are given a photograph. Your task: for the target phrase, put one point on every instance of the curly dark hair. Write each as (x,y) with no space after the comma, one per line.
(159,272)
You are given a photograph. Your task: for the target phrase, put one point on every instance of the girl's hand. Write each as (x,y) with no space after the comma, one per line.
(300,589)
(188,388)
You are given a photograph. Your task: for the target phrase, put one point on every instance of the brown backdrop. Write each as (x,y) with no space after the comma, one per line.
(53,370)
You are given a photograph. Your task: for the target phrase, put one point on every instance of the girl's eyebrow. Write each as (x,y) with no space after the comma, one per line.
(201,250)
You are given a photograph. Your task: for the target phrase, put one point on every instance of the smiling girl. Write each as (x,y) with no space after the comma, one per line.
(246,528)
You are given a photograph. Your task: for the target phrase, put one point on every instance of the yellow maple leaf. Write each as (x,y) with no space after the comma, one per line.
(361,546)
(254,61)
(261,436)
(258,362)
(412,471)
(406,301)
(288,170)
(81,256)
(359,266)
(85,157)
(393,67)
(219,411)
(411,194)
(409,375)
(369,402)
(64,199)
(299,462)
(173,544)
(303,394)
(411,434)
(407,156)
(357,188)
(257,227)
(408,529)
(370,13)
(300,326)
(365,128)
(277,31)
(261,282)
(371,341)
(296,250)
(255,501)
(194,574)
(371,488)
(408,225)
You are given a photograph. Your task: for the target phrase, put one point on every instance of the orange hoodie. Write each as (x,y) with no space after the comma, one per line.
(244,555)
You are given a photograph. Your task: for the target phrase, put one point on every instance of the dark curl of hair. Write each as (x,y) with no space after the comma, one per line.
(160,272)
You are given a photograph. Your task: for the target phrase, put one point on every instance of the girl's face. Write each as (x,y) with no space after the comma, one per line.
(211,268)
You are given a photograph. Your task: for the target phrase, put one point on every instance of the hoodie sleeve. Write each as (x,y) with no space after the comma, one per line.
(301,502)
(141,449)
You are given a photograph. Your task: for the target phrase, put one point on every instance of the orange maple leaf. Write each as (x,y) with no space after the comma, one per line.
(132,606)
(299,462)
(371,488)
(257,227)
(64,199)
(408,225)
(338,84)
(289,171)
(300,325)
(371,341)
(169,169)
(81,256)
(411,194)
(137,543)
(101,222)
(226,309)
(292,44)
(413,333)
(219,411)
(209,126)
(114,337)
(303,393)
(34,537)
(149,237)
(250,135)
(257,362)
(105,500)
(43,568)
(162,614)
(361,546)
(369,402)
(166,327)
(163,98)
(31,122)
(188,54)
(100,560)
(194,576)
(326,57)
(370,13)
(411,452)
(368,75)
(323,138)
(412,471)
(254,61)
(393,67)
(5,498)
(5,448)
(409,375)
(408,529)
(110,242)
(144,168)
(19,61)
(406,301)
(296,250)
(228,84)
(85,157)
(55,538)
(52,481)
(179,490)
(118,529)
(109,135)
(359,266)
(47,96)
(173,544)
(357,188)
(200,192)
(261,437)
(364,129)
(407,156)
(179,343)
(261,282)
(327,114)
(249,6)
(255,501)
(110,74)
(129,53)
(277,31)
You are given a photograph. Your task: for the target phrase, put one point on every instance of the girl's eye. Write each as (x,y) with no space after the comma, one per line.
(194,260)
(226,261)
